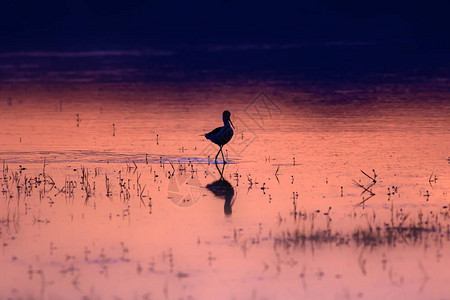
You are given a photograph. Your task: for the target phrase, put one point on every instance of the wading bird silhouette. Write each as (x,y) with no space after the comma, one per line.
(222,135)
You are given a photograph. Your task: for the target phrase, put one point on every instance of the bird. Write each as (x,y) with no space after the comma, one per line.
(222,135)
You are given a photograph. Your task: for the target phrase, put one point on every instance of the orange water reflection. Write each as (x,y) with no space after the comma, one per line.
(152,220)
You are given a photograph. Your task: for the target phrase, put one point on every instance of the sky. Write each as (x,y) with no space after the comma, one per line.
(70,24)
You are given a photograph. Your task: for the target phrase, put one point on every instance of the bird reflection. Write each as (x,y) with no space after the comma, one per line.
(222,188)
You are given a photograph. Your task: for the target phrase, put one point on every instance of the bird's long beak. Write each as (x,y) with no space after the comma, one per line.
(231,122)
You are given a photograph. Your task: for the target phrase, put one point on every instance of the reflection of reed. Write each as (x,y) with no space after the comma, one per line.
(419,231)
(367,189)
(85,184)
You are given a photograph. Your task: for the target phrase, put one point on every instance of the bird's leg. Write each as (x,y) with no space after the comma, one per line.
(223,169)
(217,154)
(223,158)
(220,172)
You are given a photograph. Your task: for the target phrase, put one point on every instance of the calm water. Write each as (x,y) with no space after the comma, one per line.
(109,190)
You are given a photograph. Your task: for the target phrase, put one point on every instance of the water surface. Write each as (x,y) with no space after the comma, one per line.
(109,190)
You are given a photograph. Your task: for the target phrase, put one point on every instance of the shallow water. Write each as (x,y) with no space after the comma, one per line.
(109,191)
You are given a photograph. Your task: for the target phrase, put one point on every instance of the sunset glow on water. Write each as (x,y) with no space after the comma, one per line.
(336,193)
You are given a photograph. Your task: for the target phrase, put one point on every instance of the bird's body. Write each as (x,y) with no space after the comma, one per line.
(222,135)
